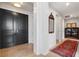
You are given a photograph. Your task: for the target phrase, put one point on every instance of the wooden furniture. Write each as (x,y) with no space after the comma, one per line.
(72,32)
(13,28)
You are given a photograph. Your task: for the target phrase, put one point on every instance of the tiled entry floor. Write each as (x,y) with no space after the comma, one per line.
(17,51)
(77,53)
(26,50)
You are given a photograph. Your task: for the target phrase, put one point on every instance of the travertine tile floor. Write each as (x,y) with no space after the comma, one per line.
(26,50)
(17,51)
(77,53)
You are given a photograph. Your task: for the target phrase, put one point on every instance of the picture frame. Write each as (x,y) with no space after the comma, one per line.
(74,24)
(71,25)
(68,25)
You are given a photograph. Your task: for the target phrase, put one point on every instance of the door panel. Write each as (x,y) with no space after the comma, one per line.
(13,28)
(20,29)
(6,28)
(0,36)
(0,30)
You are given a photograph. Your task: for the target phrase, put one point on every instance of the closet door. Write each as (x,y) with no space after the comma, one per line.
(6,28)
(20,28)
(0,30)
(13,28)
(0,37)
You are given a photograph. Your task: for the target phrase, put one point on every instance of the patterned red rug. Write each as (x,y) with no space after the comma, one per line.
(67,49)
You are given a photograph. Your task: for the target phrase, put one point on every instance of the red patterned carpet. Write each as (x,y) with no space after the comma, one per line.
(67,49)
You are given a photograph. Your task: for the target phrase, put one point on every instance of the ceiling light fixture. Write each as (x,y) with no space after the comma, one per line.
(67,4)
(71,15)
(18,4)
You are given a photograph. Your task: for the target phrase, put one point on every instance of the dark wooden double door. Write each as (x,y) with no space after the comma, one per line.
(13,28)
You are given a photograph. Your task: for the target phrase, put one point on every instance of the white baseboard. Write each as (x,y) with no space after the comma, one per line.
(45,53)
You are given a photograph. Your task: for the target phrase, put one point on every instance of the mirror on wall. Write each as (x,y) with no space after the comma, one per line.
(51,23)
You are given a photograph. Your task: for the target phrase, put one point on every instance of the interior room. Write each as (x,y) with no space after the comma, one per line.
(39,29)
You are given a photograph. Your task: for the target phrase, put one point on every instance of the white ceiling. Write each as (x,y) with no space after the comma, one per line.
(28,6)
(72,9)
(60,7)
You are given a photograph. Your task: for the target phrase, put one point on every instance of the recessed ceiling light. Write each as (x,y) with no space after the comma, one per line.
(67,4)
(17,5)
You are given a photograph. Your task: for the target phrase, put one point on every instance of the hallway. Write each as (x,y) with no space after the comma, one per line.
(26,50)
(38,28)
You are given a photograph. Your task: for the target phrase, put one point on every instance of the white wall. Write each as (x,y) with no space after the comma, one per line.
(31,27)
(41,12)
(63,30)
(58,29)
(30,18)
(52,36)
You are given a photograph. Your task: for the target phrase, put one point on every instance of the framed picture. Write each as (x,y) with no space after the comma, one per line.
(71,25)
(74,24)
(68,25)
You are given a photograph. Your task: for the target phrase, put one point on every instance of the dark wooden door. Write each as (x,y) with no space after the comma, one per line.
(6,28)
(20,28)
(0,31)
(13,28)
